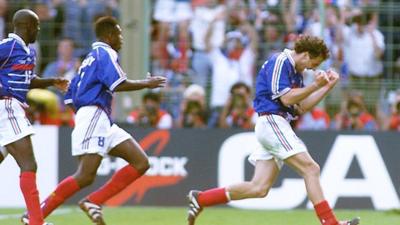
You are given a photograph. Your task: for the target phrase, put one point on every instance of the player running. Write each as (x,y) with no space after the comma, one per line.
(95,134)
(17,62)
(280,96)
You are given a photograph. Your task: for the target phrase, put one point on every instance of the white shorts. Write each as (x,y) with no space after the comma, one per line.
(13,123)
(94,134)
(277,140)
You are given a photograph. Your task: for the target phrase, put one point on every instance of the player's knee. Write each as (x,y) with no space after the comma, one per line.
(142,166)
(312,169)
(260,190)
(84,180)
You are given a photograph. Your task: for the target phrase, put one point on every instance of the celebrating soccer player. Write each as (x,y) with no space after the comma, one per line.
(17,62)
(280,97)
(95,134)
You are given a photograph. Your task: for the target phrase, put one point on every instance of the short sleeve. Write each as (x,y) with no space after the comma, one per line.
(380,39)
(280,83)
(5,49)
(68,97)
(112,75)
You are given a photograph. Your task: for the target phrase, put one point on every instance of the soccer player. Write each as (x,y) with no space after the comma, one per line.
(280,96)
(17,62)
(95,134)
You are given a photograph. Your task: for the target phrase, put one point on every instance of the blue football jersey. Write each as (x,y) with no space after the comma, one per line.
(97,77)
(276,78)
(17,62)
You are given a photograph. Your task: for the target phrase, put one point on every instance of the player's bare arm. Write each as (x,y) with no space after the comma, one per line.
(60,83)
(296,95)
(149,82)
(313,99)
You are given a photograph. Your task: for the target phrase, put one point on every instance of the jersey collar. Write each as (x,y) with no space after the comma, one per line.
(20,41)
(288,54)
(100,44)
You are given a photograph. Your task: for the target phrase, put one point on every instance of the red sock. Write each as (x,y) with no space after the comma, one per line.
(325,214)
(64,190)
(214,196)
(31,196)
(117,183)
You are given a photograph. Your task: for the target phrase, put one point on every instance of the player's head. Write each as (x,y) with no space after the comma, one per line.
(311,52)
(108,31)
(26,25)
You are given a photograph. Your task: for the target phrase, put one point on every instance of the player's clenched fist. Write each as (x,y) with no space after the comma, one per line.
(155,81)
(321,79)
(333,78)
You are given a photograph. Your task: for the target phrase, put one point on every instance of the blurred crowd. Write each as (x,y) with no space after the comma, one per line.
(211,51)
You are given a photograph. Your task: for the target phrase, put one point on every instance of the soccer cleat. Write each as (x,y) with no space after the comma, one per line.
(93,211)
(194,207)
(354,221)
(25,219)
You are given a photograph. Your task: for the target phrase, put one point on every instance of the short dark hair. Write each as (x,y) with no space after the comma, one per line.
(315,46)
(104,26)
(151,96)
(238,85)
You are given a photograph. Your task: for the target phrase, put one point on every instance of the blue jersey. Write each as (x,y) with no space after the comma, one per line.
(276,78)
(17,62)
(97,77)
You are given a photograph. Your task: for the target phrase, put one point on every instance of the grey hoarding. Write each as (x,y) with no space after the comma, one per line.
(184,159)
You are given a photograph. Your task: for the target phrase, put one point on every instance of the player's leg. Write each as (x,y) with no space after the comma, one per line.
(138,164)
(304,164)
(265,174)
(84,176)
(22,152)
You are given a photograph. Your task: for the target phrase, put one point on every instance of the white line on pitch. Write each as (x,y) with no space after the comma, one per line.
(57,212)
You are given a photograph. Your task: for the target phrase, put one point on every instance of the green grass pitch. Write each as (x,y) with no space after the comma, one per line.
(211,216)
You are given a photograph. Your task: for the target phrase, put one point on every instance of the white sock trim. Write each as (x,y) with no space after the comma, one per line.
(228,196)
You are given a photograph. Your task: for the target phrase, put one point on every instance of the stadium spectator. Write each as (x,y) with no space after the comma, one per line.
(231,63)
(193,108)
(238,112)
(79,16)
(48,33)
(363,47)
(316,119)
(394,121)
(66,64)
(202,17)
(3,17)
(389,112)
(271,41)
(327,32)
(354,115)
(149,114)
(168,13)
